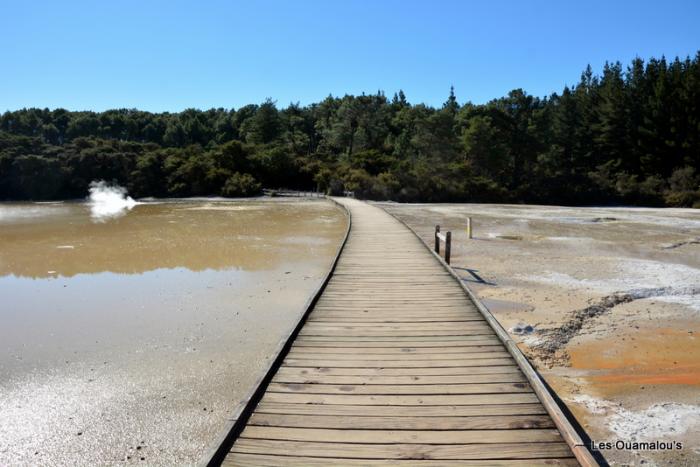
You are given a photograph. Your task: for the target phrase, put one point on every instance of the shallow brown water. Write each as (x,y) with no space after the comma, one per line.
(133,336)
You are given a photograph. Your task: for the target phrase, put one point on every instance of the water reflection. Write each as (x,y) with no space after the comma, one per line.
(49,240)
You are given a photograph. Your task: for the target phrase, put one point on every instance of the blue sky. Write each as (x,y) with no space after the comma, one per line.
(171,55)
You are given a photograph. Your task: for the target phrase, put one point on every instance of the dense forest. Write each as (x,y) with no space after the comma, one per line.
(628,136)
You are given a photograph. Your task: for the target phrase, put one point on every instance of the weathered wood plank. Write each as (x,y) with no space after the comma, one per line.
(459,363)
(401,356)
(429,326)
(399,389)
(402,436)
(382,343)
(363,399)
(264,460)
(389,333)
(427,371)
(504,422)
(347,410)
(398,339)
(397,350)
(403,451)
(302,375)
(370,321)
(371,315)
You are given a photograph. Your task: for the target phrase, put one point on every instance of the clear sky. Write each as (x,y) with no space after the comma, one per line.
(171,55)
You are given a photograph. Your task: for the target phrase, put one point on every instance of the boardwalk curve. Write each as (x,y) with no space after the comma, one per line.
(396,365)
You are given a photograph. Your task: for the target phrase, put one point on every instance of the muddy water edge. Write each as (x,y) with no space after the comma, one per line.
(129,339)
(604,301)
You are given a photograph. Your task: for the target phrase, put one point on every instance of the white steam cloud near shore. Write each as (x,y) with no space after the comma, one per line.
(108,201)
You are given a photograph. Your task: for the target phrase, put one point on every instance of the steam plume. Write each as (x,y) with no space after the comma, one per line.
(108,201)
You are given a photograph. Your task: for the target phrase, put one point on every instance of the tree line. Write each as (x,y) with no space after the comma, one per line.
(629,135)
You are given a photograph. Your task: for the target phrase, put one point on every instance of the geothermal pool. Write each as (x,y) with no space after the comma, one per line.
(131,330)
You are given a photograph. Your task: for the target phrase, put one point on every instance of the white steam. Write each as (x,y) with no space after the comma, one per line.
(108,201)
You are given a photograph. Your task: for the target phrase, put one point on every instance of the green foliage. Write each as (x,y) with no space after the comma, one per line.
(631,135)
(240,185)
(35,177)
(684,188)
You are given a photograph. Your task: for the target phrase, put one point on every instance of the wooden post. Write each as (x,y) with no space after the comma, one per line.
(469,227)
(437,239)
(448,246)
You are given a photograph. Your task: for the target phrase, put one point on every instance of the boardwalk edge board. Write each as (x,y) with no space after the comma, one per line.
(563,424)
(217,452)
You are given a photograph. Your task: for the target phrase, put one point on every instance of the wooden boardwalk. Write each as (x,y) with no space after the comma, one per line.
(395,365)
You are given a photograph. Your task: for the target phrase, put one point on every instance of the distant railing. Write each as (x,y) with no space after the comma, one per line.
(283,192)
(445,237)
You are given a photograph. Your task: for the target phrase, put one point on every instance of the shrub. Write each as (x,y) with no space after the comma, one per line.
(240,185)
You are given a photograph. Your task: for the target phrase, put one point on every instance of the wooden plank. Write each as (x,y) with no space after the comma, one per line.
(400,309)
(396,350)
(399,389)
(500,353)
(395,327)
(386,343)
(345,410)
(431,329)
(451,292)
(403,297)
(493,422)
(366,294)
(409,310)
(460,363)
(428,302)
(369,312)
(264,460)
(399,327)
(427,371)
(403,451)
(395,307)
(363,399)
(447,287)
(300,375)
(397,339)
(355,281)
(402,436)
(397,313)
(485,330)
(378,320)
(408,293)
(400,314)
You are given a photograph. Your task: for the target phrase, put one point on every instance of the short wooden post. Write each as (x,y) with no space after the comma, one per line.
(448,246)
(469,227)
(437,239)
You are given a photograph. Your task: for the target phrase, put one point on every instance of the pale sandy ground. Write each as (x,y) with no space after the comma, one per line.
(629,369)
